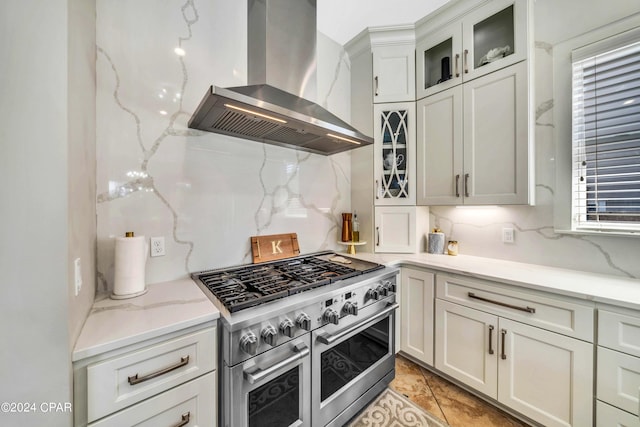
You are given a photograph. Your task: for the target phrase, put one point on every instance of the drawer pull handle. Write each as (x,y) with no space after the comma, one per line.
(466,185)
(133,380)
(504,304)
(377,236)
(491,339)
(185,420)
(457,59)
(458,185)
(376,85)
(503,332)
(466,64)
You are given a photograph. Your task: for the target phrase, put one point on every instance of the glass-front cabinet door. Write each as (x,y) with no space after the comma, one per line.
(495,36)
(486,39)
(394,158)
(439,61)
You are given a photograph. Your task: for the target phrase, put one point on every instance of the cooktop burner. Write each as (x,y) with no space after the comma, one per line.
(246,286)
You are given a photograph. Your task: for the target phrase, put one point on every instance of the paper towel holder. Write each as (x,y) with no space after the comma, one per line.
(144,288)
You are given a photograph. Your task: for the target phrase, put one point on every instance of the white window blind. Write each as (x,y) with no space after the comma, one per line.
(606,136)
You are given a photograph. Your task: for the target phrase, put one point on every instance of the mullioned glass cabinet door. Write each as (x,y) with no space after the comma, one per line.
(394,158)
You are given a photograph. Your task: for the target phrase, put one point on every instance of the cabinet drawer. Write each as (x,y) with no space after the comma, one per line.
(608,416)
(112,384)
(552,314)
(619,379)
(619,332)
(192,404)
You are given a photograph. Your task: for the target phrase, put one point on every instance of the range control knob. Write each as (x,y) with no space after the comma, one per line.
(303,321)
(286,328)
(372,294)
(331,316)
(249,343)
(269,335)
(382,291)
(390,285)
(350,308)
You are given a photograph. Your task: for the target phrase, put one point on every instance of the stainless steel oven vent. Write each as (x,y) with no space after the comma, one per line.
(276,106)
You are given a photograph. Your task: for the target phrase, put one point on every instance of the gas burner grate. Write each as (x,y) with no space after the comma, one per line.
(242,287)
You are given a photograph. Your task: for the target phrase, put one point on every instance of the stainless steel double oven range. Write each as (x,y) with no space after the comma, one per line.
(305,341)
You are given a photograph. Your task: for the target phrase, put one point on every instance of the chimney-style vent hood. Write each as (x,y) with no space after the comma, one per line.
(275,107)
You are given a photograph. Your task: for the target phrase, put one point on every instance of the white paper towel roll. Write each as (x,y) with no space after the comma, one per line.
(130,260)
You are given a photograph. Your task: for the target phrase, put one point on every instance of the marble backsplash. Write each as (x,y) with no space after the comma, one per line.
(205,193)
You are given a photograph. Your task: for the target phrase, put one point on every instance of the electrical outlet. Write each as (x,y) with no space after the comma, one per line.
(508,235)
(77,275)
(157,246)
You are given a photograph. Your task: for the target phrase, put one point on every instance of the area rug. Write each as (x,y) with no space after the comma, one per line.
(391,409)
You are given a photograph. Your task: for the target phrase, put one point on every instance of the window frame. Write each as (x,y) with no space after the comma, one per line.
(562,117)
(580,202)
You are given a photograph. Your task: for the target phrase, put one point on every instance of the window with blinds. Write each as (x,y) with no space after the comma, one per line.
(606,135)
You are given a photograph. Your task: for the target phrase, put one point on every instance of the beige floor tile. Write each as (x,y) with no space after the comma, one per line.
(462,409)
(411,382)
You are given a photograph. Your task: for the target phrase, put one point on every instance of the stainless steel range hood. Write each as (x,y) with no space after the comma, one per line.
(276,107)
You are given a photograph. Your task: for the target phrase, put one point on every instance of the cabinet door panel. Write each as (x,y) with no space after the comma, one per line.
(416,337)
(619,379)
(496,138)
(439,148)
(619,331)
(545,376)
(462,346)
(609,416)
(395,229)
(394,74)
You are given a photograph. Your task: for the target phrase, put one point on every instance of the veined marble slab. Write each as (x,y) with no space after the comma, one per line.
(167,307)
(601,288)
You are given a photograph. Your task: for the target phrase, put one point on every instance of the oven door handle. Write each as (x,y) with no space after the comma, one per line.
(326,338)
(300,351)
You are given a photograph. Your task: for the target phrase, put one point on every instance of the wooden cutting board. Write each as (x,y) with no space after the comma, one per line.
(275,246)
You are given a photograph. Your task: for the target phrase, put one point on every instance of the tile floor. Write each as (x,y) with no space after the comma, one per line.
(450,403)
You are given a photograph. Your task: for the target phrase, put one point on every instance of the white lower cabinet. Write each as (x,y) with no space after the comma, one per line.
(610,416)
(618,378)
(543,375)
(191,404)
(169,380)
(416,307)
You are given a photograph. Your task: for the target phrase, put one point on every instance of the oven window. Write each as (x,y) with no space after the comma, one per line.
(276,403)
(345,361)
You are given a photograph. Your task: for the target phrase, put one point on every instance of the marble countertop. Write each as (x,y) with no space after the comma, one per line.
(619,291)
(167,307)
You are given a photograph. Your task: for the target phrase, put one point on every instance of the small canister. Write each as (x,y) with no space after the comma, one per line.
(452,247)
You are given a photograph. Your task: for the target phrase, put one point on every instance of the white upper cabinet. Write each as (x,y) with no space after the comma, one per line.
(394,73)
(473,142)
(487,38)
